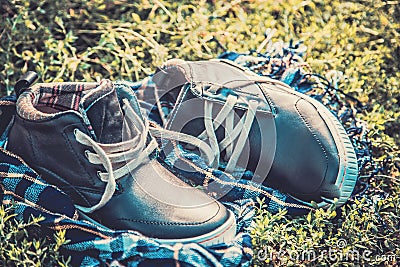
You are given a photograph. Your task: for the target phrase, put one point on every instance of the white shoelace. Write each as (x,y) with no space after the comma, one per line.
(121,158)
(211,152)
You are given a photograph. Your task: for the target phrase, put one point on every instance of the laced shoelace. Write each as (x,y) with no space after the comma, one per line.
(118,159)
(211,150)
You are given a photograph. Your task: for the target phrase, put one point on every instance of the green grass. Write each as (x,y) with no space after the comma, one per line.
(24,244)
(81,40)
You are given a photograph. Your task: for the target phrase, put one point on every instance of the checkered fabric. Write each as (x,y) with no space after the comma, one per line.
(49,98)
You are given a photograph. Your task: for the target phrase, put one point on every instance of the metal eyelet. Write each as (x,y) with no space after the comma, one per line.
(87,153)
(98,173)
(76,131)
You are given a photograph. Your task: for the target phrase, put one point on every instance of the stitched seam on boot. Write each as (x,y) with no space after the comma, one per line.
(316,138)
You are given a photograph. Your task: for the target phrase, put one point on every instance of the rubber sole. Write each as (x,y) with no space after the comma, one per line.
(348,166)
(223,234)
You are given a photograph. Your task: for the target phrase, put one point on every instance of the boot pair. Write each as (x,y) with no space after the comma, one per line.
(92,141)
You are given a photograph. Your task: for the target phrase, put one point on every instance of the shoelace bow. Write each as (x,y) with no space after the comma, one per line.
(121,158)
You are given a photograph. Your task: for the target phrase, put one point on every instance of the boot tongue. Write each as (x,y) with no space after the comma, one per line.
(103,112)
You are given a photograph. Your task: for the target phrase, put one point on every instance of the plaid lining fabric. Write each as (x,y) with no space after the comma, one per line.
(50,96)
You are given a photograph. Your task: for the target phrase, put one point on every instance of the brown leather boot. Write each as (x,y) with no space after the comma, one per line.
(91,141)
(244,121)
